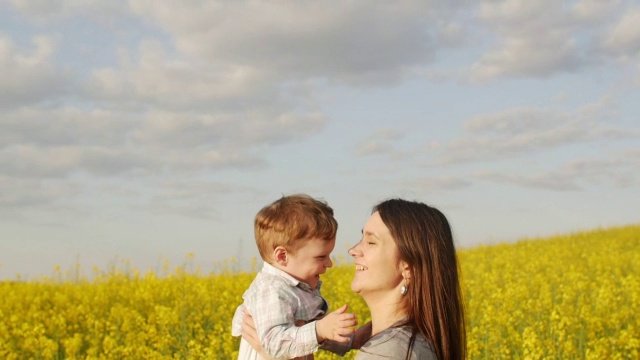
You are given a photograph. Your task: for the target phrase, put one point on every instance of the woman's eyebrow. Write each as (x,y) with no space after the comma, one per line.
(369,233)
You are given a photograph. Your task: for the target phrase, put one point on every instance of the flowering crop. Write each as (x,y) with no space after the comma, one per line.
(566,297)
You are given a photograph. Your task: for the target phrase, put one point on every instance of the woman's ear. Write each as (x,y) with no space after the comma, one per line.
(280,255)
(405,269)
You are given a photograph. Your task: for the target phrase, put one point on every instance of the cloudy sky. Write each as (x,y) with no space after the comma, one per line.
(141,131)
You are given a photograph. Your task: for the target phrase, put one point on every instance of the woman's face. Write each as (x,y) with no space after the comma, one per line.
(376,259)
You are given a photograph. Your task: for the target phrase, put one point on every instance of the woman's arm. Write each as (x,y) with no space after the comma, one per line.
(250,334)
(362,335)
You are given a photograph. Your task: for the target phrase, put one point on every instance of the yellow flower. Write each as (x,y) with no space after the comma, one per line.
(574,296)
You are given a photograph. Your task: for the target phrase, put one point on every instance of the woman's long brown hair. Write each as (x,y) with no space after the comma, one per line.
(433,302)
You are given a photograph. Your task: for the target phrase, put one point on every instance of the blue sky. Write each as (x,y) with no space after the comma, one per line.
(142,131)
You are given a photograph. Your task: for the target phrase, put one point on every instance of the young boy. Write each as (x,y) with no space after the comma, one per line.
(295,236)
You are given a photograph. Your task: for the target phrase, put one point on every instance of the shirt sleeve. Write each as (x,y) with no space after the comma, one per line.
(273,314)
(236,323)
(338,348)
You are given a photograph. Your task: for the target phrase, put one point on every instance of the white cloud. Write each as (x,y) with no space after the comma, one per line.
(198,104)
(60,142)
(541,38)
(28,75)
(114,110)
(167,82)
(300,40)
(623,38)
(195,199)
(515,121)
(432,183)
(380,142)
(452,34)
(620,169)
(543,181)
(225,131)
(64,126)
(535,38)
(45,11)
(367,148)
(21,193)
(526,57)
(519,131)
(591,12)
(62,161)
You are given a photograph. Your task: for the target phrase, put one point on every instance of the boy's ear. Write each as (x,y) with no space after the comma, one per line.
(280,255)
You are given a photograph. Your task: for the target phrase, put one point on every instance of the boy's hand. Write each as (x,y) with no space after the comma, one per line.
(336,326)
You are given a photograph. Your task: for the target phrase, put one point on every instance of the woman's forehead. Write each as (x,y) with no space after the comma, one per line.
(376,227)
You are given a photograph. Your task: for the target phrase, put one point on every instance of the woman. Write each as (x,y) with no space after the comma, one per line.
(407,273)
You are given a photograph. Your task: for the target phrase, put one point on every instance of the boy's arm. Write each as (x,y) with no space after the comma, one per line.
(249,333)
(335,331)
(337,326)
(356,340)
(273,314)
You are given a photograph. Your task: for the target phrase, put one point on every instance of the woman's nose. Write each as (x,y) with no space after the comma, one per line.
(352,250)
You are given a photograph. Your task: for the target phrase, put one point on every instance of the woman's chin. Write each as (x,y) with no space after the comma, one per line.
(355,288)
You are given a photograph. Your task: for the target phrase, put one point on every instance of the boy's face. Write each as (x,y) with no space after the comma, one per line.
(310,260)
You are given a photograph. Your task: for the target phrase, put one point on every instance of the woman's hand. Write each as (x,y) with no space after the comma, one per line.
(250,334)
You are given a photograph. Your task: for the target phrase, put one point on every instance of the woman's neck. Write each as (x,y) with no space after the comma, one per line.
(385,311)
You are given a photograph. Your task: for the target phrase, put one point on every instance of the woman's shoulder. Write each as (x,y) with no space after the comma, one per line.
(392,343)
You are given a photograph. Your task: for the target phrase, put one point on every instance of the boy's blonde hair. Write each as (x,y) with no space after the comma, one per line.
(291,220)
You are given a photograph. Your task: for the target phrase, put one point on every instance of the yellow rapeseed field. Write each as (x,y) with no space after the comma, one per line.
(566,297)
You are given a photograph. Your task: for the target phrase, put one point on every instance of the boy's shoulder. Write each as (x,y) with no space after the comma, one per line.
(270,286)
(271,280)
(271,275)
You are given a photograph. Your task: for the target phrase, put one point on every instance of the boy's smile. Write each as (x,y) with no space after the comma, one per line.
(310,260)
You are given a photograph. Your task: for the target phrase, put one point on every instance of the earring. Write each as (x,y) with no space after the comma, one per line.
(403,289)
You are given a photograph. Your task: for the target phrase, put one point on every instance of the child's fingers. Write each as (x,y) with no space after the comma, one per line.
(342,339)
(347,316)
(348,320)
(341,309)
(343,334)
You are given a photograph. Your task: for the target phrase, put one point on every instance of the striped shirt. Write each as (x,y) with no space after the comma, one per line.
(283,310)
